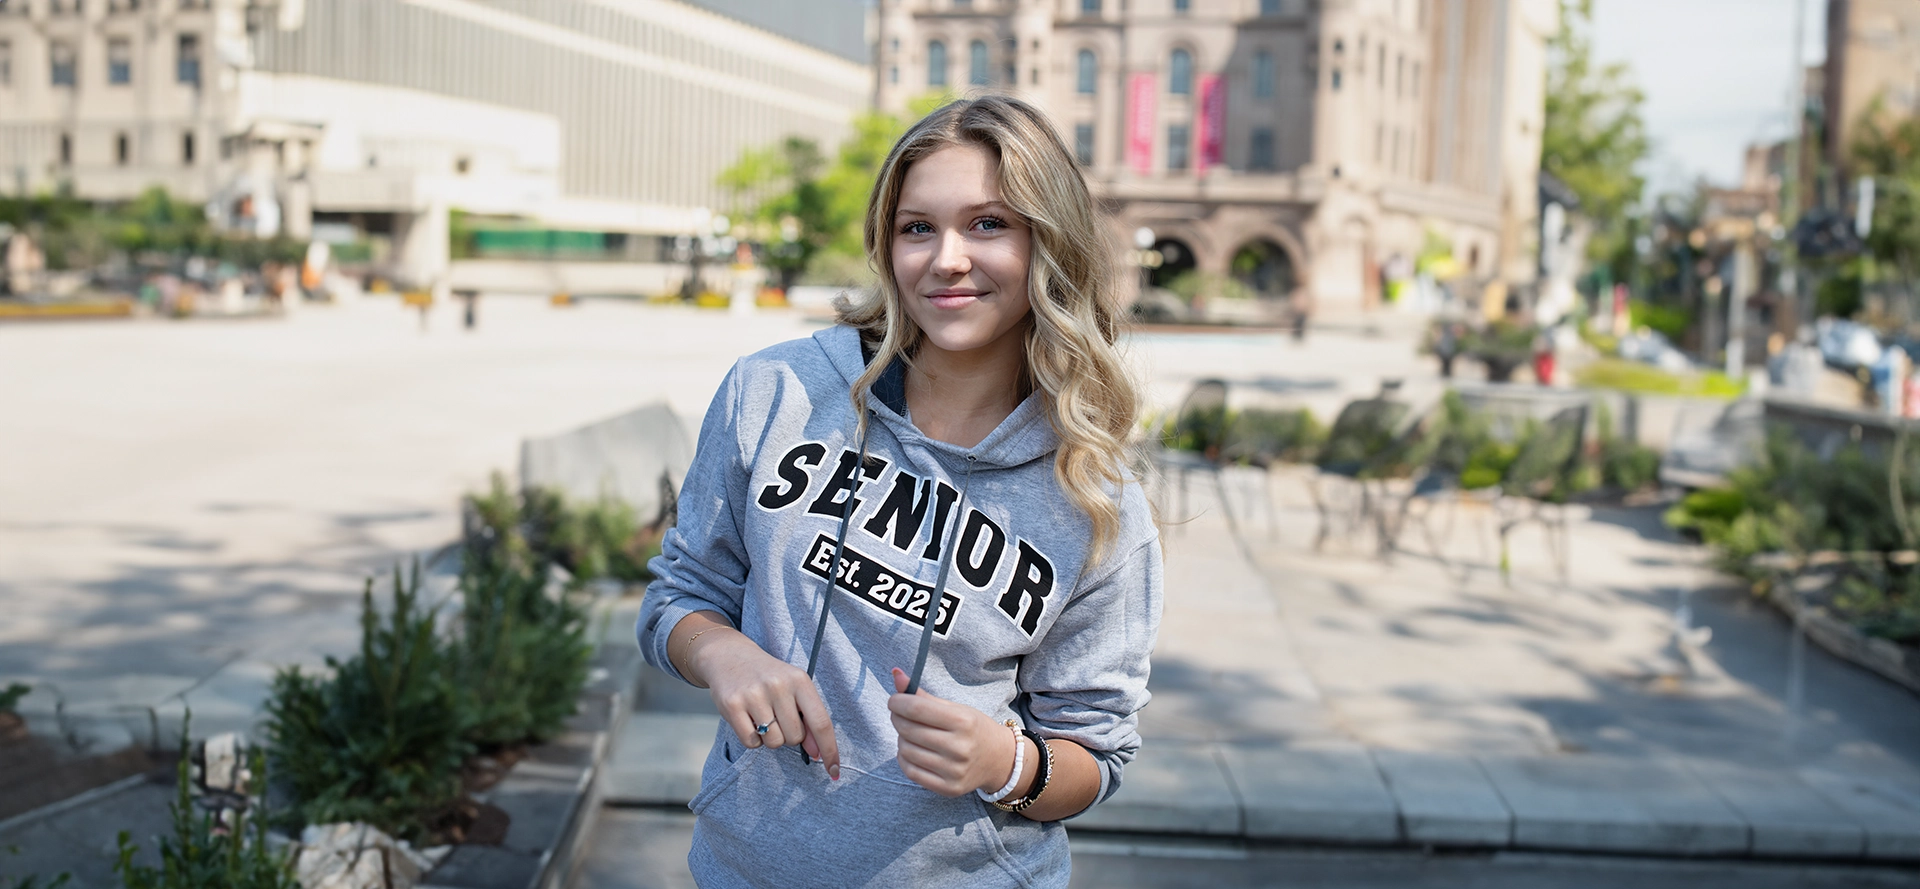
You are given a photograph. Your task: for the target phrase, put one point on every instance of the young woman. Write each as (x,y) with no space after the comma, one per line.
(950,455)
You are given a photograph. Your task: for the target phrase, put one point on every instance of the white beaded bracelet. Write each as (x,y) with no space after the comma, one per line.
(1019,763)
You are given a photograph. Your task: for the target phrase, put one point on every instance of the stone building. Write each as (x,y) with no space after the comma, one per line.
(1296,144)
(372,120)
(1873,56)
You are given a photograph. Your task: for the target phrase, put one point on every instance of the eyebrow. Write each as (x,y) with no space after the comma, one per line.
(971,208)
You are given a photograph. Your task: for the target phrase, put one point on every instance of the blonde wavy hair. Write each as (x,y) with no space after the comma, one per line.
(1071,358)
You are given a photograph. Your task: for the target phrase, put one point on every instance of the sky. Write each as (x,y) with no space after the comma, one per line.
(1717,75)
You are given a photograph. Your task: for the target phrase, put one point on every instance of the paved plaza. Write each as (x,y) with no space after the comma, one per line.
(190,506)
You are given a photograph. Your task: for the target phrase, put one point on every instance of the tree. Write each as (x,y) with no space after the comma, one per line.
(1593,138)
(803,209)
(1888,149)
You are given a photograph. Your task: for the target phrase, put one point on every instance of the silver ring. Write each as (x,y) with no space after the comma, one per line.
(761,729)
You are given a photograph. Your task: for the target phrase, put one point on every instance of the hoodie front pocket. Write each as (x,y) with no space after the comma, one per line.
(724,764)
(782,823)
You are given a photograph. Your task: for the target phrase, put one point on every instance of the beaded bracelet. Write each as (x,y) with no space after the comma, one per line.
(1019,765)
(1039,781)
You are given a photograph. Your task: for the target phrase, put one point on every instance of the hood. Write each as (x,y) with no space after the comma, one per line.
(1024,436)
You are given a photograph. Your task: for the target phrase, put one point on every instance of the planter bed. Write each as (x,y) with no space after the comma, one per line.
(552,796)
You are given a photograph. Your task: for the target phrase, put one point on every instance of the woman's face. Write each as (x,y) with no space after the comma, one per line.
(959,254)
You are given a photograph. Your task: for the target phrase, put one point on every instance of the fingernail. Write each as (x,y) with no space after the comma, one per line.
(834,771)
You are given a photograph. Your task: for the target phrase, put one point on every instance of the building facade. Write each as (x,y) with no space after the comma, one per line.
(378,118)
(1304,146)
(1873,57)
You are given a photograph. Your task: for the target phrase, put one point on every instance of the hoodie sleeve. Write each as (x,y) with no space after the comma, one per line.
(1088,680)
(703,561)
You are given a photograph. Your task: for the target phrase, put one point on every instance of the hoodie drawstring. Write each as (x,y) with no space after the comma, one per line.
(939,584)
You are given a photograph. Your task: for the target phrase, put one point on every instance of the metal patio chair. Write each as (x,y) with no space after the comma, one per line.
(1197,443)
(1364,438)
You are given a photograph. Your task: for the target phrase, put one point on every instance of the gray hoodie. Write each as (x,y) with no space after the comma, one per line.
(1023,629)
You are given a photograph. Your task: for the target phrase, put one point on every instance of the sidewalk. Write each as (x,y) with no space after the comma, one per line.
(1326,699)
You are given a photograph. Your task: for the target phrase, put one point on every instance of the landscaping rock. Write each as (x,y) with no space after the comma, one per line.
(359,856)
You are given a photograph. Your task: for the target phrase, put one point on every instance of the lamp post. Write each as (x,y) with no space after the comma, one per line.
(1143,238)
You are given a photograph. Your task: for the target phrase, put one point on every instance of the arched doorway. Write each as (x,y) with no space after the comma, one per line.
(1265,268)
(1176,259)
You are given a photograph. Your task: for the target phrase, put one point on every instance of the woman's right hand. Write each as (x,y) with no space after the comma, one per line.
(752,688)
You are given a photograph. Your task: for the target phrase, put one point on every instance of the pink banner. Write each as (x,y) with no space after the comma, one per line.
(1213,121)
(1142,91)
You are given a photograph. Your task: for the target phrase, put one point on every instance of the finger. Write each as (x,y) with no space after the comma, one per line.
(787,718)
(773,737)
(930,759)
(899,680)
(819,729)
(742,725)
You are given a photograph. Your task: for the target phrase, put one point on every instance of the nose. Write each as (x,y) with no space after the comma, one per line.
(951,259)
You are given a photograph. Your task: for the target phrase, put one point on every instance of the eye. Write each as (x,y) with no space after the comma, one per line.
(916,228)
(992,223)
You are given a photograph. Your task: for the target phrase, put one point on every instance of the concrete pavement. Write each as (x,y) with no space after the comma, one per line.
(647,849)
(1306,698)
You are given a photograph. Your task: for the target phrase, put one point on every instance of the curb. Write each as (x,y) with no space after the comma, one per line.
(1843,641)
(1353,796)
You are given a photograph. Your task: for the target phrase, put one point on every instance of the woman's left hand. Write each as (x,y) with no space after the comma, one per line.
(948,748)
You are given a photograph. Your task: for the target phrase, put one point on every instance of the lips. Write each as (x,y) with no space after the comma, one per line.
(954,299)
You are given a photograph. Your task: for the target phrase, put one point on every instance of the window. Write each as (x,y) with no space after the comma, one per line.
(1395,165)
(1415,92)
(1399,76)
(122,149)
(893,73)
(187,60)
(6,63)
(894,45)
(1381,68)
(1269,7)
(119,61)
(1182,6)
(1179,140)
(1379,143)
(977,63)
(1089,7)
(1180,73)
(1089,68)
(1260,153)
(936,64)
(1263,75)
(186,149)
(1083,143)
(1336,80)
(60,55)
(66,149)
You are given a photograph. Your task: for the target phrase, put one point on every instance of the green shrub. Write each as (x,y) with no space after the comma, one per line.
(382,740)
(206,853)
(1795,502)
(1262,434)
(1881,601)
(520,658)
(10,698)
(1669,321)
(1206,285)
(1622,464)
(539,528)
